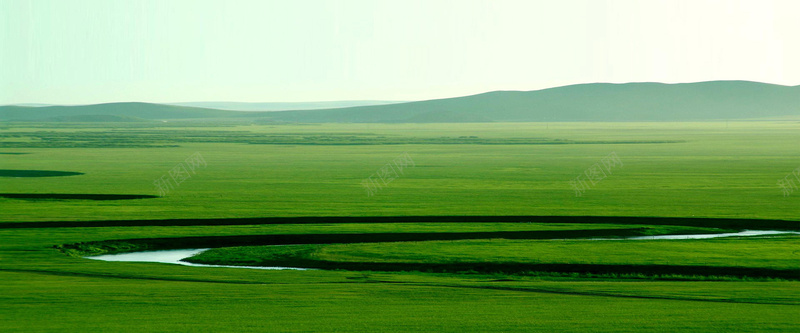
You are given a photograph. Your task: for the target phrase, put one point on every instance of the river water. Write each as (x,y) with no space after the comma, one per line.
(172,257)
(744,233)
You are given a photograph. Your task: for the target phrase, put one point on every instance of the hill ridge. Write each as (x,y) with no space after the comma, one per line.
(633,101)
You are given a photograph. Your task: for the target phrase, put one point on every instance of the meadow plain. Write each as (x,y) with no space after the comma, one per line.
(724,171)
(703,170)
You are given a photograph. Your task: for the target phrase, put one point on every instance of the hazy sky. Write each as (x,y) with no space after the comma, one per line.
(92,51)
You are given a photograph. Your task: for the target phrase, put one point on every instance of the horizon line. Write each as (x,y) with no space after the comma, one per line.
(41,104)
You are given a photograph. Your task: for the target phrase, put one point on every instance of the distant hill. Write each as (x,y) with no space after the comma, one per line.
(241,106)
(98,111)
(712,100)
(97,119)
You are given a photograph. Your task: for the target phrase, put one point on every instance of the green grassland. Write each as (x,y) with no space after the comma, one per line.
(47,290)
(701,170)
(713,172)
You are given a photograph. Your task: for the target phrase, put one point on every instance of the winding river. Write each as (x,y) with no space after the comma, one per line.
(175,256)
(744,233)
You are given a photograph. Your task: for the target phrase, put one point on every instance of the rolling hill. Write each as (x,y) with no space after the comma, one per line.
(242,106)
(585,102)
(109,111)
(713,100)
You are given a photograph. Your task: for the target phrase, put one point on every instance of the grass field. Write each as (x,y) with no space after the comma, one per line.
(700,170)
(713,172)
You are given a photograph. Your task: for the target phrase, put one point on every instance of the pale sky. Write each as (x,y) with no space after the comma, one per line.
(94,51)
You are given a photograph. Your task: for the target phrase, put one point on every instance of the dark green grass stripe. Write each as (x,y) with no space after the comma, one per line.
(37,173)
(600,294)
(142,244)
(415,284)
(522,268)
(74,196)
(682,221)
(126,277)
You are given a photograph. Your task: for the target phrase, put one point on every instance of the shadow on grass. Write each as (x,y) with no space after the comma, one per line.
(154,244)
(514,268)
(36,173)
(62,196)
(722,223)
